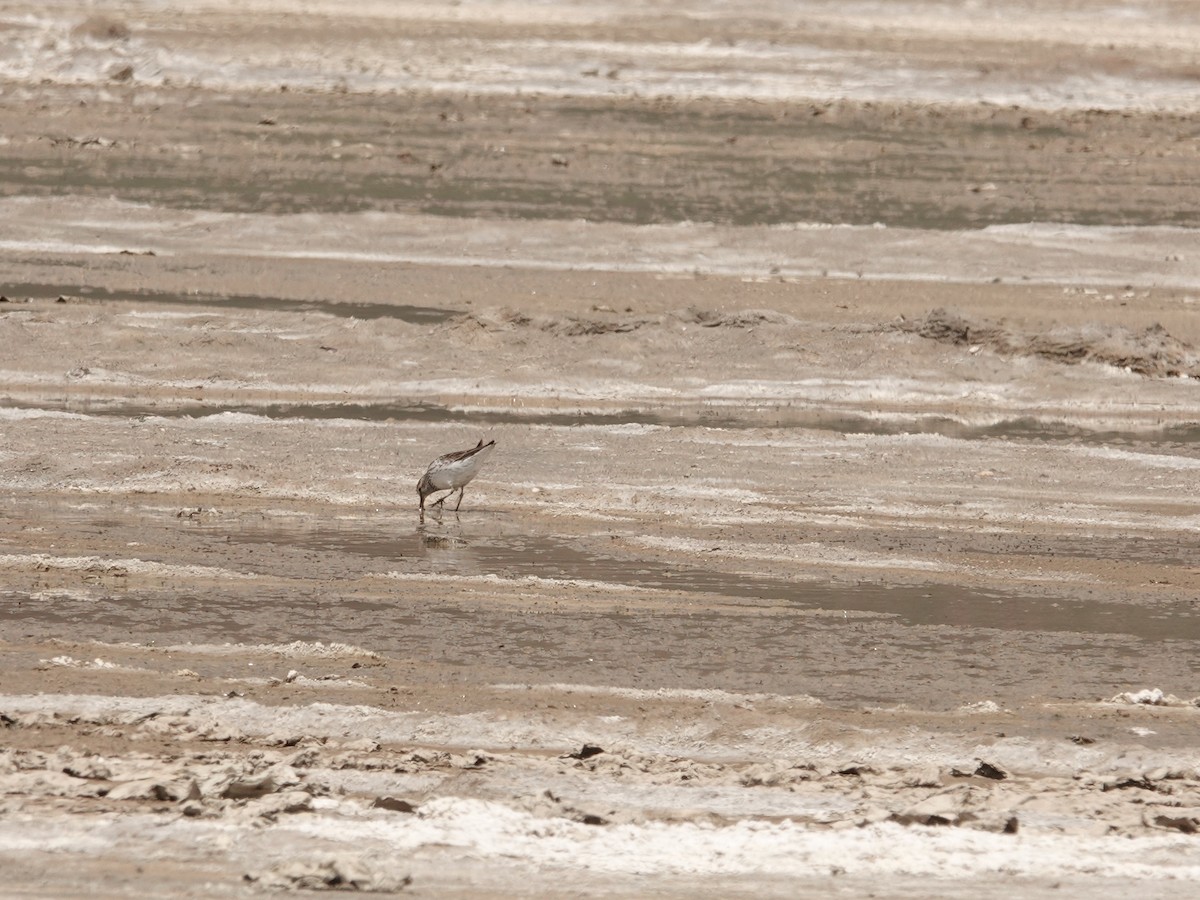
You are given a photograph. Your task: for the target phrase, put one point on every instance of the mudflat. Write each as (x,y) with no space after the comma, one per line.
(840,534)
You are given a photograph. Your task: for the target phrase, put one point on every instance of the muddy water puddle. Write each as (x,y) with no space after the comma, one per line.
(450,549)
(716,628)
(317,558)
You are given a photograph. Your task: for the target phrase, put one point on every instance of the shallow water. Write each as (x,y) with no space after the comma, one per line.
(347,580)
(451,549)
(717,629)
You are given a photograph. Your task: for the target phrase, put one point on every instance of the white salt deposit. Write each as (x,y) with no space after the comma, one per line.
(1126,256)
(48,46)
(782,849)
(115,567)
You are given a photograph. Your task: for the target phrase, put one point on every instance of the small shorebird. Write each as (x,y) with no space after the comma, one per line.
(452,472)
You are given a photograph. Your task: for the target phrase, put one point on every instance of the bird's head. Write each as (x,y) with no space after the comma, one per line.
(424,489)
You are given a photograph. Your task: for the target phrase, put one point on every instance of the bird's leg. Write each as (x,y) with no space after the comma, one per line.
(459,503)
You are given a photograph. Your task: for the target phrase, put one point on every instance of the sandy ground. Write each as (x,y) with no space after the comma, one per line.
(840,538)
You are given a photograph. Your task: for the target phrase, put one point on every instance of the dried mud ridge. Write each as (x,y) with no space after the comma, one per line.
(608,321)
(1151,351)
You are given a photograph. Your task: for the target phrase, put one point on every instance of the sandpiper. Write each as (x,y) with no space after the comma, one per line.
(451,472)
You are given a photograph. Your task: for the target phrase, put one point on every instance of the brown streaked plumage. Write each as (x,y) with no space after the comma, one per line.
(451,472)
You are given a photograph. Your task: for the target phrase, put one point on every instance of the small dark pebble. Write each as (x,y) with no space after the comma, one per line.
(855,770)
(987,770)
(1186,824)
(395,804)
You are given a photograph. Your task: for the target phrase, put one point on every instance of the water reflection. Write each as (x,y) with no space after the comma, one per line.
(420,315)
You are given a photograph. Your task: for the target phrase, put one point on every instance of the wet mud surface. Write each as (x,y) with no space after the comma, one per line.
(674,160)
